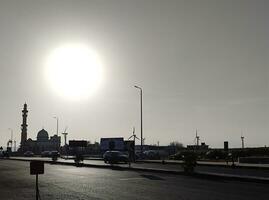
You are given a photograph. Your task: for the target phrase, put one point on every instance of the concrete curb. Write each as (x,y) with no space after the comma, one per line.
(205,164)
(202,175)
(172,162)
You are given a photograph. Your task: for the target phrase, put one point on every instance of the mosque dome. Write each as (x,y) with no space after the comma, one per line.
(42,135)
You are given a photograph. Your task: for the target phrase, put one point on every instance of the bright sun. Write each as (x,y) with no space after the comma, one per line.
(73,71)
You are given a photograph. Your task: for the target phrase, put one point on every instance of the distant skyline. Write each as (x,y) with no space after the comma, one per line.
(202,65)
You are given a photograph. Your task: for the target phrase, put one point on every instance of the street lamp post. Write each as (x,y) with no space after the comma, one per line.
(11,139)
(141,118)
(57,131)
(57,124)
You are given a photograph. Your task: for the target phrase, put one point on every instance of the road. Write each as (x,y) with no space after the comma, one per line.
(68,182)
(264,173)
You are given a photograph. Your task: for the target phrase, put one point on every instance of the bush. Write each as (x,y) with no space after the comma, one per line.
(78,159)
(190,161)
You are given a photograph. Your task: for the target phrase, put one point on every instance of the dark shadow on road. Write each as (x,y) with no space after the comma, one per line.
(209,178)
(118,168)
(151,177)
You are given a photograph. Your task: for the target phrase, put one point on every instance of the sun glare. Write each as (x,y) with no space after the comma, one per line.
(73,71)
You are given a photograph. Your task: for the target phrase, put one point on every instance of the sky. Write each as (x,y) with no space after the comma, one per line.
(201,64)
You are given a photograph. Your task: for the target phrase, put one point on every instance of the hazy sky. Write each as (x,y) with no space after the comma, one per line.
(202,65)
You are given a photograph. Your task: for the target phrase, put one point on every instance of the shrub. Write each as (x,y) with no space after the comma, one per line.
(190,161)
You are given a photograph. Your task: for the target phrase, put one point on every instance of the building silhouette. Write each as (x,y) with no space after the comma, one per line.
(42,143)
(24,126)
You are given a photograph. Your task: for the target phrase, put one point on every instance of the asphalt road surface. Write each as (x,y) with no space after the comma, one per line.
(68,182)
(264,173)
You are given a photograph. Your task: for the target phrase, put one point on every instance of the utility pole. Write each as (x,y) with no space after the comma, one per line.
(11,138)
(57,132)
(57,125)
(36,187)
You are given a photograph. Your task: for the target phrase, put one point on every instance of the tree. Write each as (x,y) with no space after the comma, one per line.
(189,162)
(177,146)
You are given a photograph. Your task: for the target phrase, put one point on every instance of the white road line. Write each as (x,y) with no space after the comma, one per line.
(128,179)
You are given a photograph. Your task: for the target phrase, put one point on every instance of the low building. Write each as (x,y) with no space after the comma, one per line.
(202,147)
(116,143)
(42,143)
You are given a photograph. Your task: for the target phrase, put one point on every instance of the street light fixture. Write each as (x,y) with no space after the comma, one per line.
(141,118)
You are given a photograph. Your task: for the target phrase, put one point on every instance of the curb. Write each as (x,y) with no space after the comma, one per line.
(171,162)
(202,175)
(205,164)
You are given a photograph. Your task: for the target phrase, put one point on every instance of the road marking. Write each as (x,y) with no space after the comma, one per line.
(143,178)
(128,179)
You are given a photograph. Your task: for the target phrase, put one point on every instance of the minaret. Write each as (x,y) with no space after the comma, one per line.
(24,125)
(242,139)
(197,138)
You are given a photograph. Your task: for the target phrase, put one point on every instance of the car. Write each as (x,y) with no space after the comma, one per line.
(28,154)
(152,154)
(4,154)
(54,154)
(115,157)
(45,154)
(140,156)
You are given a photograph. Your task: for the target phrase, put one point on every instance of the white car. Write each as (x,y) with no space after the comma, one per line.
(115,157)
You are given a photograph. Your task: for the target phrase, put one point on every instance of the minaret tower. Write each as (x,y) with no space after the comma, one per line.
(24,125)
(243,142)
(197,138)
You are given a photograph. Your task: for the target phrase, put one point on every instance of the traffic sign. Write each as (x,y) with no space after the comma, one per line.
(36,167)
